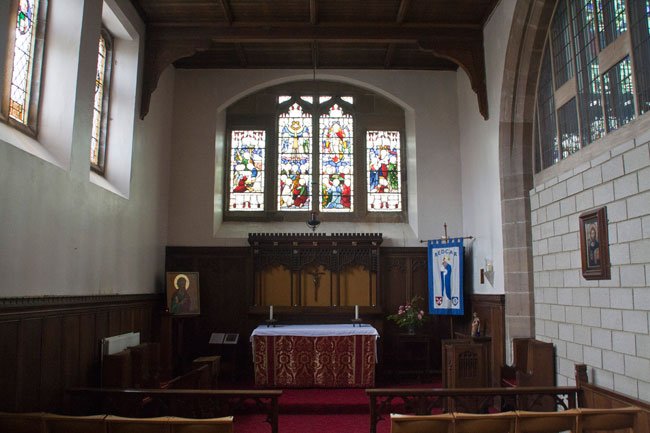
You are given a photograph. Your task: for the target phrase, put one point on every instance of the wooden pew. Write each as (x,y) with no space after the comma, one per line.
(533,364)
(187,403)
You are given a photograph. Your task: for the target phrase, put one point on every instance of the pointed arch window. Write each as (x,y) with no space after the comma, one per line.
(594,74)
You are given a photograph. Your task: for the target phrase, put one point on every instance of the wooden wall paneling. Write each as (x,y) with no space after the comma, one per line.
(127,320)
(114,322)
(29,365)
(71,373)
(8,364)
(88,350)
(51,364)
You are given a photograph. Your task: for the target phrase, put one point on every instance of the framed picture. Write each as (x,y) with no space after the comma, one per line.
(183,293)
(594,245)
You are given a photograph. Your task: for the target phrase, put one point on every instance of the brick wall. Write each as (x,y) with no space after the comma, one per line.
(603,324)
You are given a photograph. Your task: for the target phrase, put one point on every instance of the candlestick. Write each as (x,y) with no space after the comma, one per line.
(356,312)
(271,312)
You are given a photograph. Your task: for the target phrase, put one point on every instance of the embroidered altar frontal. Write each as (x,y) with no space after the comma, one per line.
(322,356)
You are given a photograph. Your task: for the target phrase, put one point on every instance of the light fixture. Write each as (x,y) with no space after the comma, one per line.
(312,222)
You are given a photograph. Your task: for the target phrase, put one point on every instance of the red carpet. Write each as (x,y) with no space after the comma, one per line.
(321,411)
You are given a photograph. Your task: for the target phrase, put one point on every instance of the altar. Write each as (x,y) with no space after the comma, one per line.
(327,356)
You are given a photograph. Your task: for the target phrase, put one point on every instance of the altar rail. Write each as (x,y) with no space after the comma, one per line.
(188,403)
(422,401)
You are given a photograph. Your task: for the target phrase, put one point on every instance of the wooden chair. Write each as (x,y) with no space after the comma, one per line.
(73,424)
(609,419)
(118,424)
(503,422)
(443,423)
(208,425)
(547,422)
(21,422)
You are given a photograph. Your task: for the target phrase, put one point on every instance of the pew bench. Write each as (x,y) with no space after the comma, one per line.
(52,423)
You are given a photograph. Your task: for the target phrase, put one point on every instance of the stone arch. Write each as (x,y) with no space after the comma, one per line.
(523,56)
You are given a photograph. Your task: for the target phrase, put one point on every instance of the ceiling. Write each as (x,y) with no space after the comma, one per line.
(315,34)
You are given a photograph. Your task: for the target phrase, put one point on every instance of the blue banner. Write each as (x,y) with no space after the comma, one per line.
(445,276)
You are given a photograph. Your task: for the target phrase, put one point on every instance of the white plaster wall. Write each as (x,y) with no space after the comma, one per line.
(433,154)
(479,148)
(62,235)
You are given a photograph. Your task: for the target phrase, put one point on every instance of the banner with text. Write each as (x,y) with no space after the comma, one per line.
(445,276)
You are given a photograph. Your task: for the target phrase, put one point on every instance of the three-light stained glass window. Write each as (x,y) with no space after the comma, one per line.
(383,167)
(336,160)
(247,156)
(294,159)
(96,142)
(23,56)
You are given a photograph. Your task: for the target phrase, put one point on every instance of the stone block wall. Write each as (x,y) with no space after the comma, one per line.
(603,324)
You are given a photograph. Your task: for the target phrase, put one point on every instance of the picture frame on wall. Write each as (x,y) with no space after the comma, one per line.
(183,293)
(594,244)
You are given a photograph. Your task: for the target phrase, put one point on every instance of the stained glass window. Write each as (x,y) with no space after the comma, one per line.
(561,38)
(546,110)
(97,138)
(589,88)
(294,159)
(247,153)
(336,160)
(324,99)
(309,99)
(619,97)
(383,168)
(23,56)
(611,20)
(568,127)
(640,34)
(283,98)
(348,99)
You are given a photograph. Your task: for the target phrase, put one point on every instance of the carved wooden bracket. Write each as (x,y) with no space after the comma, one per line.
(466,50)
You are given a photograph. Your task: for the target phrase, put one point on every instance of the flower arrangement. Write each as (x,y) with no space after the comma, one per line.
(410,315)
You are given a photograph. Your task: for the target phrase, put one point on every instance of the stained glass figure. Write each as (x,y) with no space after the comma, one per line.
(383,168)
(336,160)
(97,105)
(294,159)
(247,153)
(21,75)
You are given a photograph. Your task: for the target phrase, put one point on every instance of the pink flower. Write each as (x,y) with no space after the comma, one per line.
(409,304)
(422,312)
(400,312)
(420,316)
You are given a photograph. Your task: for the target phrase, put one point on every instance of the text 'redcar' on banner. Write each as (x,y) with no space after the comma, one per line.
(445,276)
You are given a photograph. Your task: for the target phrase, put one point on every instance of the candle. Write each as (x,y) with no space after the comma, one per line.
(356,312)
(271,312)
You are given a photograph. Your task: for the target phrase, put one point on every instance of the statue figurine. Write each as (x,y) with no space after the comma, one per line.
(476,326)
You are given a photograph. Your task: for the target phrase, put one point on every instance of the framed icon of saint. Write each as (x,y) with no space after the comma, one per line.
(183,293)
(594,245)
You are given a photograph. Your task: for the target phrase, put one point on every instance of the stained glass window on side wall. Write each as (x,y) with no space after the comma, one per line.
(640,33)
(21,74)
(619,95)
(561,39)
(294,159)
(95,135)
(336,161)
(611,20)
(383,168)
(247,156)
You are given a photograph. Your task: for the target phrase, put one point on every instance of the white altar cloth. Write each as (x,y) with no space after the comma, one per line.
(316,330)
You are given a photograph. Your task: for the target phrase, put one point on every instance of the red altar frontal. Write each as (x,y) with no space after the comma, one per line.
(325,356)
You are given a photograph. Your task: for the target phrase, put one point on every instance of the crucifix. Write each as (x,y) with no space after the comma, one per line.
(316,276)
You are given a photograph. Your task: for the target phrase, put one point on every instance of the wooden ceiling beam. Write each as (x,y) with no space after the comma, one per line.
(469,55)
(242,55)
(313,12)
(401,12)
(386,33)
(227,12)
(390,53)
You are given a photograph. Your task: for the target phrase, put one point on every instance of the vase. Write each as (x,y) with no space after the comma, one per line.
(411,330)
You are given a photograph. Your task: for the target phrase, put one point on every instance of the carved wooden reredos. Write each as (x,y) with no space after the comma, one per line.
(315,270)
